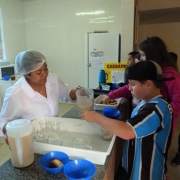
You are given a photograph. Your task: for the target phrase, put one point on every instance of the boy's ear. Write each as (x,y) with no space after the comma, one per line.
(149,83)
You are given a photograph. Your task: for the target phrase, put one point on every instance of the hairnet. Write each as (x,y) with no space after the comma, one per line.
(29,61)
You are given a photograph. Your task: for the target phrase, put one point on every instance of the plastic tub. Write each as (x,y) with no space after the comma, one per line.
(105,87)
(98,106)
(71,129)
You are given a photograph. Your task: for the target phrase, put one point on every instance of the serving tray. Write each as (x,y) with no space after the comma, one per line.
(92,132)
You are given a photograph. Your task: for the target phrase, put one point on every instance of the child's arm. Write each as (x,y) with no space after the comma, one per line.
(120,92)
(118,128)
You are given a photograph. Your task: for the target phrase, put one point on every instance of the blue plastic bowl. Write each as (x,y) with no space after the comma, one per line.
(115,85)
(79,169)
(6,78)
(46,159)
(111,112)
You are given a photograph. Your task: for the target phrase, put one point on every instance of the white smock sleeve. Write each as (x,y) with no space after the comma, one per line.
(10,111)
(64,91)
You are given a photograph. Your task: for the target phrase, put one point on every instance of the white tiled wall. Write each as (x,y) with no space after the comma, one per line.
(57,29)
(14,27)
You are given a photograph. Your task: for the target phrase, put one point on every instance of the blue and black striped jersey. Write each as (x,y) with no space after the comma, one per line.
(145,156)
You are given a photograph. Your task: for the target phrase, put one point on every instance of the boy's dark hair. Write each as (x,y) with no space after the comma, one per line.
(137,56)
(146,70)
(174,56)
(133,53)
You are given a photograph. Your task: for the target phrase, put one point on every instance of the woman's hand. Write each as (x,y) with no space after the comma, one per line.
(4,131)
(79,87)
(105,100)
(73,92)
(6,140)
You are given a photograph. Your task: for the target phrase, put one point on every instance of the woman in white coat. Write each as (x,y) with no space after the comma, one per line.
(36,93)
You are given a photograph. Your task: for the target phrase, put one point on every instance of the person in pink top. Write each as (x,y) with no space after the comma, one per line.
(154,48)
(176,160)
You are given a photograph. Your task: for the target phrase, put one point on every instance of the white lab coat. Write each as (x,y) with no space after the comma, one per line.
(22,102)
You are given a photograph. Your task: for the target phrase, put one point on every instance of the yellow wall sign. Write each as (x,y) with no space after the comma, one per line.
(115,71)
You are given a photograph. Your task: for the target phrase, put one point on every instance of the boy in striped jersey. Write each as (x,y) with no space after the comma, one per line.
(148,132)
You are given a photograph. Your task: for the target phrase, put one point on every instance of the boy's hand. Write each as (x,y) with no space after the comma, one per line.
(89,115)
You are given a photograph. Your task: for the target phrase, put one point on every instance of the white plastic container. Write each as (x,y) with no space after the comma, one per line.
(85,98)
(20,139)
(72,128)
(105,87)
(98,106)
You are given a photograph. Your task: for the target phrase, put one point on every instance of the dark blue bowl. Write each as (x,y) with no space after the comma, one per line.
(79,169)
(111,112)
(46,159)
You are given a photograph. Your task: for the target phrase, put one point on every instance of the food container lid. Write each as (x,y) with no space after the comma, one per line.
(19,125)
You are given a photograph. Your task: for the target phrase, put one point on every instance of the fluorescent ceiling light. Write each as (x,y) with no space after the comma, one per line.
(102,18)
(90,13)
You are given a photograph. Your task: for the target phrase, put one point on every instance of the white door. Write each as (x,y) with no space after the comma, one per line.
(100,47)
